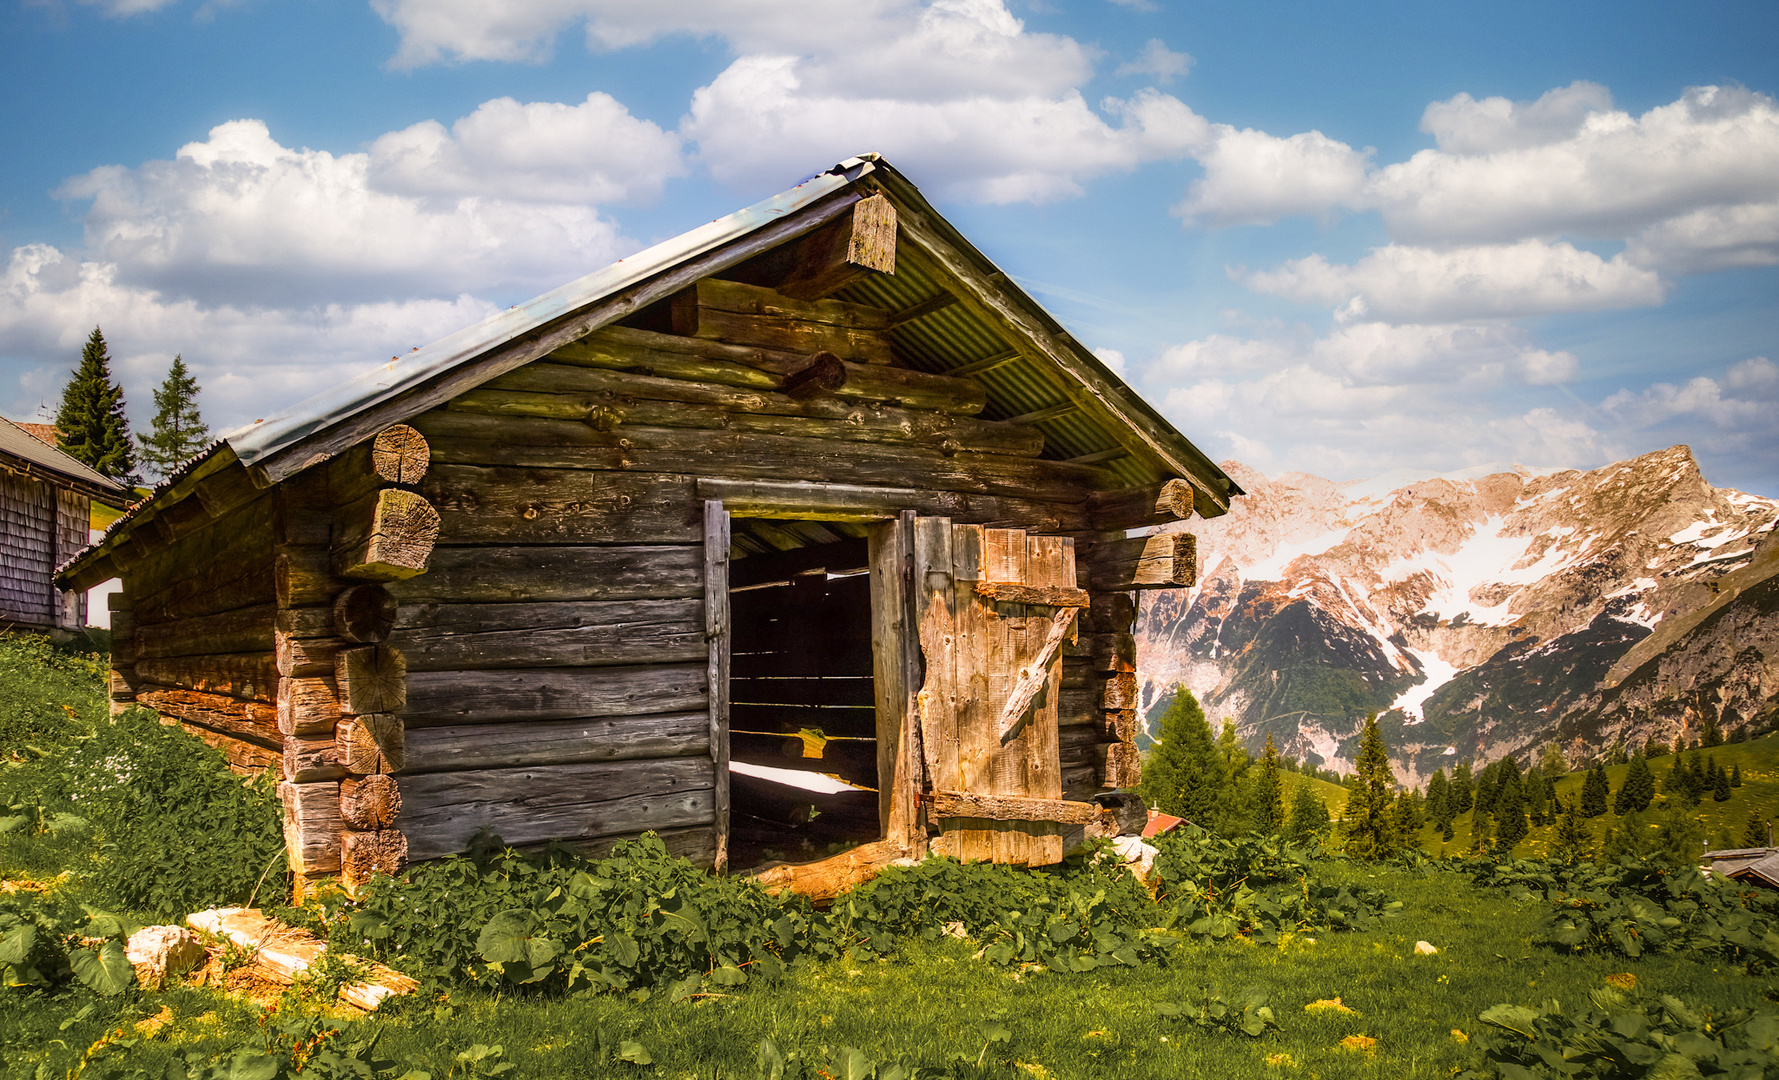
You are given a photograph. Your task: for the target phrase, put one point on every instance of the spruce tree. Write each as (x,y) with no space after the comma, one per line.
(1510,811)
(1538,797)
(1309,814)
(91,426)
(1638,790)
(1439,800)
(1462,792)
(1183,772)
(1366,822)
(1720,784)
(1754,833)
(1485,790)
(178,432)
(1655,748)
(1574,841)
(1268,810)
(1736,775)
(1595,791)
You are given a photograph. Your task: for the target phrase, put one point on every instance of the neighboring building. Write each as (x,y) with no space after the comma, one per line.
(45,507)
(1757,866)
(814,486)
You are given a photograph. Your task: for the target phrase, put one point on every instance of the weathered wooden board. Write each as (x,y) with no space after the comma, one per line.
(751,315)
(455,697)
(312,826)
(446,637)
(556,573)
(243,676)
(561,506)
(557,742)
(441,812)
(245,721)
(245,630)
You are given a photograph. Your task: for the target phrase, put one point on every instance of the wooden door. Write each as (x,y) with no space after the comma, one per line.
(983,621)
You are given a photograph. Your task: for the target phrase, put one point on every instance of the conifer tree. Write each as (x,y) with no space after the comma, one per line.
(1638,790)
(1595,791)
(1619,756)
(1511,825)
(1309,814)
(1439,800)
(1183,773)
(91,426)
(1655,748)
(1574,841)
(1366,823)
(1736,774)
(1268,813)
(1720,784)
(1551,761)
(177,431)
(1538,797)
(1754,833)
(1462,791)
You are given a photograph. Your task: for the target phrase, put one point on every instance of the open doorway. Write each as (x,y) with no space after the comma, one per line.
(802,704)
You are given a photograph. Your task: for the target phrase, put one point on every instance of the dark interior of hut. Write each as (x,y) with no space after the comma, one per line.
(803,747)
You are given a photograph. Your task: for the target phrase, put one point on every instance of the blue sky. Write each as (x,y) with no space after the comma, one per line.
(1340,240)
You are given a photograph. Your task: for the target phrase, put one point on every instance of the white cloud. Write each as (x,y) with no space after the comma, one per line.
(242,219)
(1714,147)
(1158,60)
(1112,358)
(1399,284)
(1255,178)
(1464,125)
(1745,398)
(1715,238)
(594,152)
(119,9)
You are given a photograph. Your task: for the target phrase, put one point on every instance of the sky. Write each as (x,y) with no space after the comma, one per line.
(1340,239)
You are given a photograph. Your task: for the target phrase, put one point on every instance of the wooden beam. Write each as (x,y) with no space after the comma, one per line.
(828,878)
(1156,504)
(399,454)
(895,665)
(387,537)
(372,744)
(550,572)
(370,802)
(524,348)
(371,679)
(1048,412)
(833,257)
(1009,592)
(986,364)
(1162,561)
(850,502)
(825,374)
(937,302)
(962,804)
(1035,675)
(717,635)
(364,614)
(749,315)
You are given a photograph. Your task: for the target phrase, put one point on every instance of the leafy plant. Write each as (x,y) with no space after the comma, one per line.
(39,952)
(1250,1015)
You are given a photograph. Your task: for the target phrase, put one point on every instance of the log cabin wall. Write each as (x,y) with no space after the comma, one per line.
(41,524)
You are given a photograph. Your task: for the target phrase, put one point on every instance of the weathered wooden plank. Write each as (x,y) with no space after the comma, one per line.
(238,576)
(557,574)
(312,757)
(308,705)
(312,826)
(556,742)
(245,721)
(848,502)
(386,536)
(1035,674)
(897,679)
(671,356)
(752,315)
(441,812)
(242,676)
(247,758)
(303,577)
(828,878)
(1109,652)
(719,642)
(1131,508)
(1111,612)
(1010,592)
(1119,691)
(1121,765)
(1013,808)
(443,637)
(1161,561)
(832,257)
(935,612)
(244,630)
(305,656)
(450,697)
(561,506)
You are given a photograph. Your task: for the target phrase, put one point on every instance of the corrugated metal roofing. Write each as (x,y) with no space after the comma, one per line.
(18,443)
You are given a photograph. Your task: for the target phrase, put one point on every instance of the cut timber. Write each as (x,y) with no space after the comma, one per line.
(1120,725)
(370,802)
(556,742)
(247,630)
(1012,808)
(750,315)
(246,721)
(1109,652)
(854,502)
(364,614)
(244,676)
(1120,691)
(364,855)
(1010,592)
(836,256)
(1111,612)
(824,374)
(1122,766)
(1133,508)
(1162,561)
(301,657)
(248,759)
(308,706)
(1035,675)
(557,573)
(311,757)
(372,744)
(303,577)
(445,637)
(312,827)
(285,954)
(719,639)
(400,455)
(456,697)
(561,506)
(387,537)
(371,679)
(828,878)
(441,812)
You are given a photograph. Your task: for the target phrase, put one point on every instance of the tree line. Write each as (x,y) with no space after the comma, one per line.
(1214,782)
(92,427)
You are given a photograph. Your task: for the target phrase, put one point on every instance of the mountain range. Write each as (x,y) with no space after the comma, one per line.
(1480,613)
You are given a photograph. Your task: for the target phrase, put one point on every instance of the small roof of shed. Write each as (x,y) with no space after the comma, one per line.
(22,451)
(1031,367)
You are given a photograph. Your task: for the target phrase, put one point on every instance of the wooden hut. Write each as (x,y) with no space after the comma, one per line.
(45,506)
(814,486)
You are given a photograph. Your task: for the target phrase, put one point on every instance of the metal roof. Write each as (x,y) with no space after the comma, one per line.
(21,445)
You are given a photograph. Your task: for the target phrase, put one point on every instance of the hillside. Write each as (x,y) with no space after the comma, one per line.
(1483,613)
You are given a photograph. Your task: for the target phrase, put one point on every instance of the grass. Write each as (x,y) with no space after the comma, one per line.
(929,1005)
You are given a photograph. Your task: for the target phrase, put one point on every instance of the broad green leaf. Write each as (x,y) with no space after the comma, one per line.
(16,944)
(252,1065)
(634,1052)
(771,1061)
(727,976)
(852,1064)
(506,937)
(107,971)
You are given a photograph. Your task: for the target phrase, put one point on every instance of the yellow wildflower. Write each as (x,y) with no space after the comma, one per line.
(1459,1036)
(1359,1042)
(1281,1061)
(1623,981)
(1332,1005)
